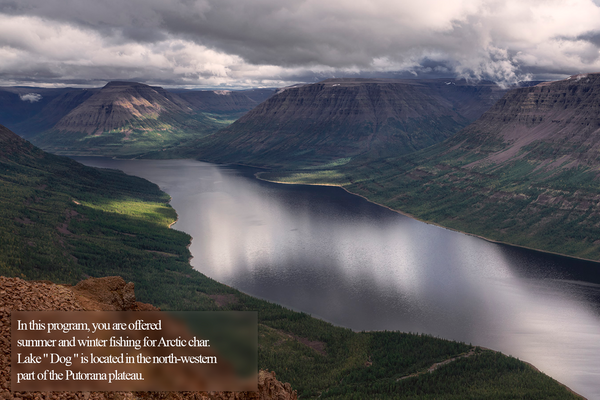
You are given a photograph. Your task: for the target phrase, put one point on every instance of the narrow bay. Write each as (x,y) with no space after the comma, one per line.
(338,257)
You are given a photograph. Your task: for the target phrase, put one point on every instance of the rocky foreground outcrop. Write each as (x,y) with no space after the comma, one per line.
(98,294)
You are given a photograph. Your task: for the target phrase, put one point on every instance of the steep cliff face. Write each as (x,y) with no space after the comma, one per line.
(526,172)
(344,117)
(554,123)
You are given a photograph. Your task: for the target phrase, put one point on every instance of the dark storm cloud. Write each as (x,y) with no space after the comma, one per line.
(592,37)
(233,42)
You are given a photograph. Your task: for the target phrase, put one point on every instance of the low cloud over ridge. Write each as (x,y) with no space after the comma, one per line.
(228,43)
(31,97)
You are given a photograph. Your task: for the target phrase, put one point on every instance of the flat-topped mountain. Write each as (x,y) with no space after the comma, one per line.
(126,118)
(122,118)
(338,118)
(556,124)
(118,104)
(526,172)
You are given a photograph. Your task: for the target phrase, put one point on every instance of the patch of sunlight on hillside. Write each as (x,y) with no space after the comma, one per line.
(155,212)
(335,163)
(323,177)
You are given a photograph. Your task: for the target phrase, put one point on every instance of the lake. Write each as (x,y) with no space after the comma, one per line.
(350,262)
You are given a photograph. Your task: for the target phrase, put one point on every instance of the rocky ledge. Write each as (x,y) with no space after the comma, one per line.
(99,294)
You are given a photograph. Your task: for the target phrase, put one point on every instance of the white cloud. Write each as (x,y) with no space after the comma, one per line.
(31,97)
(272,42)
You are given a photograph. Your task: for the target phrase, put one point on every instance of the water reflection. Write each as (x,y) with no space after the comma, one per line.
(338,257)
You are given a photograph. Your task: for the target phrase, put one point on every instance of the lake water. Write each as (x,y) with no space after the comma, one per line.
(340,258)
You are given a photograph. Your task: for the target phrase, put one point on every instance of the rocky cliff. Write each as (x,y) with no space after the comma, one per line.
(100,294)
(556,124)
(338,118)
(525,173)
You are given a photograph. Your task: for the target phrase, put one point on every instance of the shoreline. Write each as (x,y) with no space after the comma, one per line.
(256,175)
(378,204)
(174,222)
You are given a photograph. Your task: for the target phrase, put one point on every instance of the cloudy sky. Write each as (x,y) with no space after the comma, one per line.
(250,43)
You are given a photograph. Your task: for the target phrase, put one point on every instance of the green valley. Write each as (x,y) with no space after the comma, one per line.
(64,222)
(525,173)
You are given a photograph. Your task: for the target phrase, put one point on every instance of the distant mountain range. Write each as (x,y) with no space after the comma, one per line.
(300,125)
(122,118)
(337,118)
(526,172)
(29,110)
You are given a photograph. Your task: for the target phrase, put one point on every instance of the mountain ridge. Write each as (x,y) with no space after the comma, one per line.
(122,118)
(117,103)
(127,119)
(339,118)
(526,173)
(560,113)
